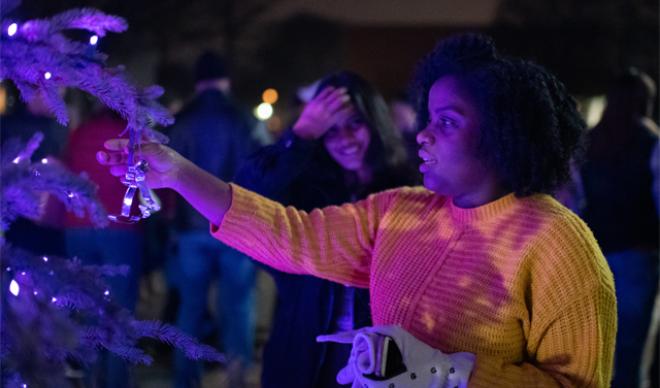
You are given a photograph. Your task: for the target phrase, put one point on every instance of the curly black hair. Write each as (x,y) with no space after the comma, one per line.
(531,129)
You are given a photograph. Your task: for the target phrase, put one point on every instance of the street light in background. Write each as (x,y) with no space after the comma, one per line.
(270,96)
(263,111)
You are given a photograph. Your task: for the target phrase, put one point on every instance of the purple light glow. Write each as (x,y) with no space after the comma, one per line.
(14,288)
(16,160)
(106,293)
(12,29)
(53,299)
(47,75)
(44,161)
(45,258)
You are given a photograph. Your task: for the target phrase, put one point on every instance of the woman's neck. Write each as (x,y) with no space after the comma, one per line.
(488,190)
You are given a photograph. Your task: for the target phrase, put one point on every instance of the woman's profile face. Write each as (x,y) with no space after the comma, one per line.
(347,142)
(448,144)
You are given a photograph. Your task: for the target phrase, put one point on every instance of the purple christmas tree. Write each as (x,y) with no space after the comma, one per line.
(55,310)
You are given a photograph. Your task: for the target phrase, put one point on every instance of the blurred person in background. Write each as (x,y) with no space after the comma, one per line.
(650,370)
(343,147)
(116,244)
(405,120)
(620,210)
(215,133)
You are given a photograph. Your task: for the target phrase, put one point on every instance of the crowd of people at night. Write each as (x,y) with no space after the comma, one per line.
(472,232)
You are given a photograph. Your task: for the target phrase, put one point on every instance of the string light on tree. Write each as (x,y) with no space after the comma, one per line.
(12,29)
(93,40)
(47,75)
(14,287)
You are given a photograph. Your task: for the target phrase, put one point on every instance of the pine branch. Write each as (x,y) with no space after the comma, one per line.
(63,310)
(39,59)
(24,182)
(56,309)
(175,337)
(88,19)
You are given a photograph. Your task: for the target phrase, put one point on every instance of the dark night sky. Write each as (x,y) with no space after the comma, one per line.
(585,42)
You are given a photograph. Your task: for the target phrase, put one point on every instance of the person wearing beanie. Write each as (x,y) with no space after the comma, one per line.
(214,132)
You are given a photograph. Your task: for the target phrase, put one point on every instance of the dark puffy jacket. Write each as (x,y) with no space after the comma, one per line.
(214,134)
(294,172)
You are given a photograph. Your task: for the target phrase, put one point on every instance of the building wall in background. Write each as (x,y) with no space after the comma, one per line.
(394,12)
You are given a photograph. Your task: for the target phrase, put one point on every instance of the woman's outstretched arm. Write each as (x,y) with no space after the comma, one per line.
(167,169)
(334,243)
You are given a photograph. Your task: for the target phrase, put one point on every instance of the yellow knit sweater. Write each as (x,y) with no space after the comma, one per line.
(520,282)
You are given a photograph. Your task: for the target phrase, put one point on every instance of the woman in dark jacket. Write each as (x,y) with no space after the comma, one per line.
(342,148)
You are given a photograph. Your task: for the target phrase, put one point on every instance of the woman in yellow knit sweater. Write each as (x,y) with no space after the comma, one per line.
(482,260)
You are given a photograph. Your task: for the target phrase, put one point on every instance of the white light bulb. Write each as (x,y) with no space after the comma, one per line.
(44,161)
(45,258)
(263,111)
(16,160)
(12,29)
(47,75)
(93,40)
(14,288)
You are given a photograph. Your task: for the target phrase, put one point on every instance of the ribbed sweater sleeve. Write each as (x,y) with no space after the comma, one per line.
(572,307)
(333,243)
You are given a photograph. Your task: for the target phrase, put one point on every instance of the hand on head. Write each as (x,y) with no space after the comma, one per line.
(164,163)
(324,111)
